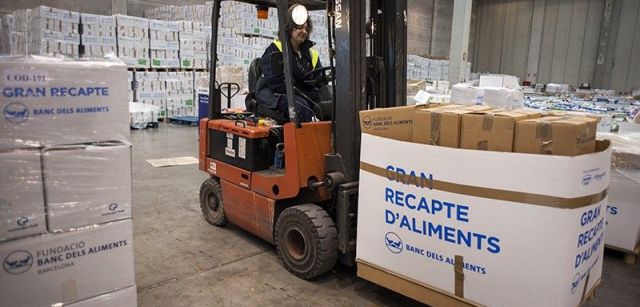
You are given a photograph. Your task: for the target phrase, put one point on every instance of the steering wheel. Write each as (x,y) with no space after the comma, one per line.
(320,78)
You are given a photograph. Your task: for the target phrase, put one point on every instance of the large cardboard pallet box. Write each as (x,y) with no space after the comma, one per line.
(61,268)
(492,228)
(623,221)
(50,101)
(87,184)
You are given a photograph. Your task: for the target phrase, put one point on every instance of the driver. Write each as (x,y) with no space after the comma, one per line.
(270,93)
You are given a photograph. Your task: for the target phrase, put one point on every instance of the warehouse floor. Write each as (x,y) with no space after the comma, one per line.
(181,260)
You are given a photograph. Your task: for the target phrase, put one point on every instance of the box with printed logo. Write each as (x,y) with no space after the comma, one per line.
(487,227)
(122,298)
(396,123)
(67,267)
(50,101)
(87,184)
(21,196)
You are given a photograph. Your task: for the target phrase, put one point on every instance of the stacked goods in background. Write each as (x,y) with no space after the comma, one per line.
(623,218)
(422,68)
(164,44)
(193,45)
(446,225)
(13,36)
(133,40)
(54,31)
(179,93)
(98,35)
(151,89)
(65,195)
(130,86)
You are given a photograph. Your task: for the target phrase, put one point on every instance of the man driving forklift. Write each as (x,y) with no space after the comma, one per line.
(270,88)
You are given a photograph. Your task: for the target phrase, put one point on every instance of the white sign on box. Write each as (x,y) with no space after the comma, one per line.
(529,228)
(50,101)
(87,184)
(21,196)
(67,267)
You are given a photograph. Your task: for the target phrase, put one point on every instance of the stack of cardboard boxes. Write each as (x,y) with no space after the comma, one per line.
(151,89)
(98,35)
(65,193)
(133,40)
(193,45)
(164,43)
(453,198)
(54,31)
(179,88)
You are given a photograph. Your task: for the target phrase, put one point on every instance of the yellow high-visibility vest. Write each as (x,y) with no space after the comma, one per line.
(314,53)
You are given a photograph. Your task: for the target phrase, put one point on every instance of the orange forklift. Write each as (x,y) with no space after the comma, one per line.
(296,185)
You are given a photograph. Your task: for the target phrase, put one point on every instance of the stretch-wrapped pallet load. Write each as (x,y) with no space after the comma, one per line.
(164,43)
(98,35)
(64,135)
(421,68)
(193,45)
(133,40)
(180,93)
(151,89)
(130,86)
(54,31)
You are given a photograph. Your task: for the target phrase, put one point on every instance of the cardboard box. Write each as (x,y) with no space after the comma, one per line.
(623,209)
(21,196)
(127,297)
(67,267)
(492,131)
(62,102)
(563,136)
(441,126)
(87,184)
(395,123)
(528,230)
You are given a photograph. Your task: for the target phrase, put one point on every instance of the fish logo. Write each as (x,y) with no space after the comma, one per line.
(113,206)
(22,221)
(18,262)
(586,179)
(366,122)
(575,283)
(16,112)
(393,242)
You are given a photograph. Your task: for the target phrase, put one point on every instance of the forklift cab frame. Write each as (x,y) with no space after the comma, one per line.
(308,209)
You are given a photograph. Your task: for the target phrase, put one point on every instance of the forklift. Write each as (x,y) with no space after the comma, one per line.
(296,185)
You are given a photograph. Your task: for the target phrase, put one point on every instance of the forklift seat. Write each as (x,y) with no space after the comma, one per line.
(255,72)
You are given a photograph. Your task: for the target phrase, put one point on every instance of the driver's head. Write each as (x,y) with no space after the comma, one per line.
(298,34)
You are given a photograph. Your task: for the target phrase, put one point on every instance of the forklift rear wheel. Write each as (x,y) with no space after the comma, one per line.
(307,240)
(211,202)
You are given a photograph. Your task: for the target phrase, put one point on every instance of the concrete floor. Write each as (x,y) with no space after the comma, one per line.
(181,260)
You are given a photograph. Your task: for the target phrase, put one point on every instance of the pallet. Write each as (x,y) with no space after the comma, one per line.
(630,257)
(183,120)
(424,293)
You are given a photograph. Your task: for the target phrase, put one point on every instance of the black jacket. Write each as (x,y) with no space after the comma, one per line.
(273,83)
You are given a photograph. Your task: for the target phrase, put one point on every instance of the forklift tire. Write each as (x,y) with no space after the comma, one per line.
(307,240)
(211,202)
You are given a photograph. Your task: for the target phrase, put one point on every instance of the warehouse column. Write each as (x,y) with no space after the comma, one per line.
(535,42)
(119,7)
(459,40)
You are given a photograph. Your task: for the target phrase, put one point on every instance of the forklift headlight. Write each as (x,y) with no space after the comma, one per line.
(299,14)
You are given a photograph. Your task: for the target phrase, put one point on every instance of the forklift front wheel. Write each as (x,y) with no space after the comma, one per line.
(211,202)
(307,240)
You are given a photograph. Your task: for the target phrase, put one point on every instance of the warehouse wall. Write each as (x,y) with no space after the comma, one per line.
(422,39)
(561,41)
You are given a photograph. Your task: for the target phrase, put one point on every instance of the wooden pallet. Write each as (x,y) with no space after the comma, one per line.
(424,293)
(158,69)
(630,257)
